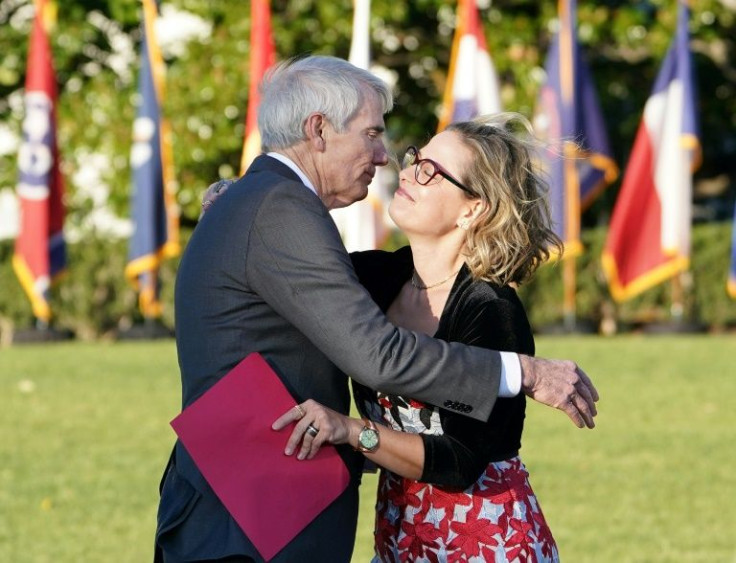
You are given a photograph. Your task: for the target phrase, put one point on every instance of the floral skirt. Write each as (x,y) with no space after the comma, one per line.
(496,519)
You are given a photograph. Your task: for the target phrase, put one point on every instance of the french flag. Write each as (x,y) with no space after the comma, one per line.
(649,238)
(40,250)
(472,83)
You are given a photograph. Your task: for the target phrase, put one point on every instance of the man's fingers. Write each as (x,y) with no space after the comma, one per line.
(584,409)
(569,408)
(588,384)
(586,396)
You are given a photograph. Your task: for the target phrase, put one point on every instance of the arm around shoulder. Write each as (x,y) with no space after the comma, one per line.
(297,263)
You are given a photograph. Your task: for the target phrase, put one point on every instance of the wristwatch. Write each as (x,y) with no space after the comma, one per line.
(368,439)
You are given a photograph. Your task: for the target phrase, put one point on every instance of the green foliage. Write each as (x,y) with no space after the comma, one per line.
(86,437)
(207,90)
(704,293)
(94,300)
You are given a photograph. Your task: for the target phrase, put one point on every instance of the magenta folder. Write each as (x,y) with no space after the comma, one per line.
(227,431)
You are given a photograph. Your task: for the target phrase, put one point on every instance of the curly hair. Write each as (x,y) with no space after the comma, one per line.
(513,234)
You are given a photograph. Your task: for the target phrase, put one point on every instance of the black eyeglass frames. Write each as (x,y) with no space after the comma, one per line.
(425,169)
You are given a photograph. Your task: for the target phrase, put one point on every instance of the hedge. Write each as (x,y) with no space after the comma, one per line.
(94,301)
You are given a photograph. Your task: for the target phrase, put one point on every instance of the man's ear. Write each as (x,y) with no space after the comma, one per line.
(314,129)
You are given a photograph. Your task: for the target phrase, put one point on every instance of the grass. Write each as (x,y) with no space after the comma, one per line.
(84,436)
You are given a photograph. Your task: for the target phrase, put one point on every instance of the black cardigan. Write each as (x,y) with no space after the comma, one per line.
(478,314)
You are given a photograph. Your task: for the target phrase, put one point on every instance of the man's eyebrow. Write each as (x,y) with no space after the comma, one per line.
(377,128)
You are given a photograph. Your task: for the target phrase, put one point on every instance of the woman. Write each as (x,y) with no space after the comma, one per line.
(451,488)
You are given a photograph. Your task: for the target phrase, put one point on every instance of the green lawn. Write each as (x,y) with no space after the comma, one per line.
(84,436)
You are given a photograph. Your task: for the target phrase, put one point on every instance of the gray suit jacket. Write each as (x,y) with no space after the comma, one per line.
(265,271)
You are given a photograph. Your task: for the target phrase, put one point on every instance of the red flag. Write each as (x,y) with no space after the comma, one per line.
(649,238)
(40,251)
(262,56)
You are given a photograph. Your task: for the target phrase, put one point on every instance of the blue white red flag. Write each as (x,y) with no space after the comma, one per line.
(40,250)
(472,83)
(649,237)
(154,210)
(577,158)
(262,56)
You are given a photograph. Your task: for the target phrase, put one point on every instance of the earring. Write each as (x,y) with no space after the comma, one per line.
(463,224)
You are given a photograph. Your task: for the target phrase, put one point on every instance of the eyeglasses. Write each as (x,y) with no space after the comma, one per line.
(425,169)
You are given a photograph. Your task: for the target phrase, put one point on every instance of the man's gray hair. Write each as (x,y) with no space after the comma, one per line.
(296,88)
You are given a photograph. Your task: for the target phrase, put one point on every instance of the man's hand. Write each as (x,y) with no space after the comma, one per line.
(560,384)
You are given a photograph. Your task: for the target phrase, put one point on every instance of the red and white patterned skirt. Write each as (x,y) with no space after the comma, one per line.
(496,519)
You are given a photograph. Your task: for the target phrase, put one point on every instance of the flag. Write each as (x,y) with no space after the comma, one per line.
(154,209)
(649,237)
(732,272)
(362,225)
(577,157)
(40,250)
(262,56)
(472,83)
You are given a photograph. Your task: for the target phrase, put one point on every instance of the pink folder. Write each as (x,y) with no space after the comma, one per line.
(227,431)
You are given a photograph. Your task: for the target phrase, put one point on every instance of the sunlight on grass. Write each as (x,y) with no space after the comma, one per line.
(85,437)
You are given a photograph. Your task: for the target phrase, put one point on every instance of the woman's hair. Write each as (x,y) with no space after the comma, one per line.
(297,87)
(513,234)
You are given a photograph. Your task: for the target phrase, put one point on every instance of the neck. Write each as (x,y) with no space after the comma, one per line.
(436,262)
(303,159)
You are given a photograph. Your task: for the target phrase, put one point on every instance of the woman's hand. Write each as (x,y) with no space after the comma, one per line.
(213,192)
(316,425)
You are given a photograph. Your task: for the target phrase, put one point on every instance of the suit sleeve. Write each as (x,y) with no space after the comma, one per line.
(458,456)
(297,263)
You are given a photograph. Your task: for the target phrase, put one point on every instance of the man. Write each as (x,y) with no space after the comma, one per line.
(265,271)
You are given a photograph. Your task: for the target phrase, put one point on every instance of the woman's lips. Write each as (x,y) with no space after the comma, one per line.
(403,193)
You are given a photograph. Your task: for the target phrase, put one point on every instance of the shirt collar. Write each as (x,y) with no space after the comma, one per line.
(290,163)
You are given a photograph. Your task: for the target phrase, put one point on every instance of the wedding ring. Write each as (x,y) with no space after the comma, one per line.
(312,431)
(300,410)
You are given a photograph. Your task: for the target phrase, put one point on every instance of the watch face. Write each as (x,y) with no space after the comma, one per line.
(368,438)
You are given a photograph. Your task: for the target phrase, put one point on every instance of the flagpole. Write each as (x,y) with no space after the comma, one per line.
(677,302)
(569,271)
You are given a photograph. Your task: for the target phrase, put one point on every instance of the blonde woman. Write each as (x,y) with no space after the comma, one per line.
(452,488)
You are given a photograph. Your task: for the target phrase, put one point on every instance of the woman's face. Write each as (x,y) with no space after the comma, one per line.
(436,208)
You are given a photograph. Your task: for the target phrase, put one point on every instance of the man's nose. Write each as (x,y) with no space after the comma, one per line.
(380,155)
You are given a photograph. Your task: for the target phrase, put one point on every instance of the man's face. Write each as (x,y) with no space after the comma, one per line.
(350,158)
